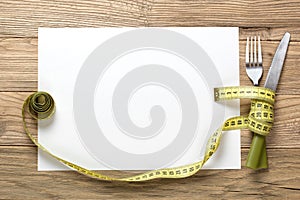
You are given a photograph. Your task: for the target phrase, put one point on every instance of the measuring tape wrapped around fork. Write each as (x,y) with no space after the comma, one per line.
(41,105)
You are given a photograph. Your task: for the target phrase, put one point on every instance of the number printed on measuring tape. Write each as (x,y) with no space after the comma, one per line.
(41,105)
(250,92)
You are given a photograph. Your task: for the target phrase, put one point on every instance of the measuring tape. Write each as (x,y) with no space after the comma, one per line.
(41,105)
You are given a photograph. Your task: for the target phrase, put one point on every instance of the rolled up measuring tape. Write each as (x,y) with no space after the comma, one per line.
(40,105)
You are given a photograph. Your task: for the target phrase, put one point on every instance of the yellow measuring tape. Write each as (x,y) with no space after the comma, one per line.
(40,105)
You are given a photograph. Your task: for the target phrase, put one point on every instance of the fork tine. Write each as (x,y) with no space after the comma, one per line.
(254,67)
(259,52)
(254,52)
(247,52)
(251,51)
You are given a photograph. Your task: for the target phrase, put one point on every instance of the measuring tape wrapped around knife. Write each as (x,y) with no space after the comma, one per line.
(41,105)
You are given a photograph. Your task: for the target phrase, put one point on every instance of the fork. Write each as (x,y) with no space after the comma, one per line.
(254,66)
(254,69)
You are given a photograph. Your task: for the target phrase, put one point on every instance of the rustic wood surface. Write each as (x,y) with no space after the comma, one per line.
(19,21)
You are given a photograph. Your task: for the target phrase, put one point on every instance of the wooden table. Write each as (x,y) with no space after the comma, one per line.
(19,20)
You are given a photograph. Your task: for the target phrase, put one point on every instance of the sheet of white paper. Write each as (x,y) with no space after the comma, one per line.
(151,130)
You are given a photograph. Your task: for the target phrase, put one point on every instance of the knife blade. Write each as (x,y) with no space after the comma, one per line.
(277,63)
(257,157)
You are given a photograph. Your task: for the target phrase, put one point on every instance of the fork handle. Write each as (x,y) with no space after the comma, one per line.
(257,157)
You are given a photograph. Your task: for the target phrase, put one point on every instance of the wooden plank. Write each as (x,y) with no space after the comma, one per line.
(285,133)
(19,21)
(20,180)
(270,34)
(22,18)
(18,65)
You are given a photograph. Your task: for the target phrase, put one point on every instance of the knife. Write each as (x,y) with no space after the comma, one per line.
(257,157)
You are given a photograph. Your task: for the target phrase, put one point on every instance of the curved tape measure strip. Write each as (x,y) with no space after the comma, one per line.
(40,105)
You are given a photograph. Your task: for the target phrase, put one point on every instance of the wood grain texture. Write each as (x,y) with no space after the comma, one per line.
(18,64)
(286,126)
(20,180)
(19,22)
(22,18)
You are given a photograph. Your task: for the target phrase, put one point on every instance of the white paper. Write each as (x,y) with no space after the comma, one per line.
(63,53)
